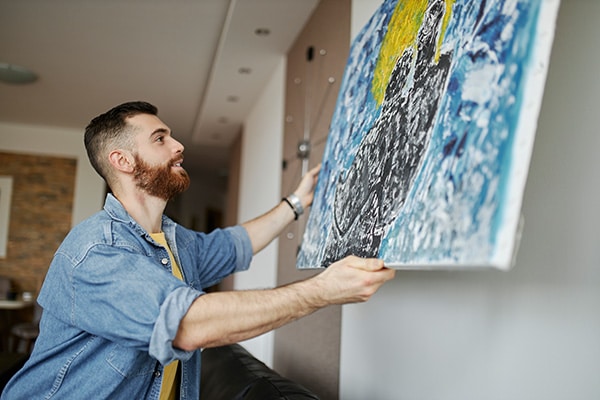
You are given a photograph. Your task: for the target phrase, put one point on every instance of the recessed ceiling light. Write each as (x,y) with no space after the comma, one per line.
(262,32)
(233,99)
(10,73)
(244,70)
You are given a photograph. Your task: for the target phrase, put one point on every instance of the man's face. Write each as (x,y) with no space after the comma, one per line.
(158,158)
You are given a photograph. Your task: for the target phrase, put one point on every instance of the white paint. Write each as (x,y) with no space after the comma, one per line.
(477,83)
(532,332)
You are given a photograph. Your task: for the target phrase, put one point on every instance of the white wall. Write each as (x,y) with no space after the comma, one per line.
(531,333)
(260,188)
(59,142)
(360,14)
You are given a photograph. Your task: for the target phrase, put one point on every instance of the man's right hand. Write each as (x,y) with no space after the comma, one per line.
(351,280)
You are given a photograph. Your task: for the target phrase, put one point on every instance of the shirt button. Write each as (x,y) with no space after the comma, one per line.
(164,261)
(157,374)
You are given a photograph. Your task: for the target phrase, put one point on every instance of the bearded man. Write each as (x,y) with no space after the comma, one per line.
(125,312)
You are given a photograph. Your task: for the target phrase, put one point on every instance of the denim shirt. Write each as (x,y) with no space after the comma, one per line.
(112,308)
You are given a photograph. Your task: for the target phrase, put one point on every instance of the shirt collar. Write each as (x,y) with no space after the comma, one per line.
(116,211)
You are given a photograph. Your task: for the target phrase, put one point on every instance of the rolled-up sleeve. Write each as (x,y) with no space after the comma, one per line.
(243,247)
(170,315)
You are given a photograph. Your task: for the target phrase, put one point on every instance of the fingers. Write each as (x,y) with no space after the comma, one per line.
(367,264)
(314,170)
(379,274)
(386,274)
(305,190)
(358,278)
(312,175)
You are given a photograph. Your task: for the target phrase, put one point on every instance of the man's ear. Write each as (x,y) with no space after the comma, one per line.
(121,160)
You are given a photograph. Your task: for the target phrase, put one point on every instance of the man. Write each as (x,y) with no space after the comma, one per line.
(124,307)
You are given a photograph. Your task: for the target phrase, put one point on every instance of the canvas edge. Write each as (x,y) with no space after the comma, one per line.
(509,236)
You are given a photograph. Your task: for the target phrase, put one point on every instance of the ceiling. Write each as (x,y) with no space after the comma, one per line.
(201,62)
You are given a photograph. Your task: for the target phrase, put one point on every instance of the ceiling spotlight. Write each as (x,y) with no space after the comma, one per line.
(222,120)
(262,32)
(233,99)
(244,70)
(10,73)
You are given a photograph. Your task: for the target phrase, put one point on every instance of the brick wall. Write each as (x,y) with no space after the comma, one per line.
(40,214)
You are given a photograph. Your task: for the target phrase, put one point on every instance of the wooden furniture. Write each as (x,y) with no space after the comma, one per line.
(7,308)
(10,363)
(23,335)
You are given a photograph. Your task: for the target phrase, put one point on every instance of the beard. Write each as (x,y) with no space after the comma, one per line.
(160,181)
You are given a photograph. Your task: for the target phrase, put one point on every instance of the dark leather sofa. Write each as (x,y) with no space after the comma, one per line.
(232,373)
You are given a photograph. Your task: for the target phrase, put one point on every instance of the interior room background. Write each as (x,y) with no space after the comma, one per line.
(530,333)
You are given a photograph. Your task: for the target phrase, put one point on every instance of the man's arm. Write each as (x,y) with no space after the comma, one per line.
(262,230)
(221,318)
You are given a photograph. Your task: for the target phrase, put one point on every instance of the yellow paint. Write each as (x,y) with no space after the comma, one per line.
(401,34)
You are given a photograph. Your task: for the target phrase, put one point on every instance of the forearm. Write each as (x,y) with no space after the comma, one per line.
(221,318)
(227,317)
(264,229)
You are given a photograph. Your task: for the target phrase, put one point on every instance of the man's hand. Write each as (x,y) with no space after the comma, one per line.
(306,188)
(352,280)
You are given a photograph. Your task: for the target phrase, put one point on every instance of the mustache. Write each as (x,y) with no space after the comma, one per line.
(177,160)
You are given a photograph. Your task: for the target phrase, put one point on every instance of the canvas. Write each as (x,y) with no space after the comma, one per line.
(429,146)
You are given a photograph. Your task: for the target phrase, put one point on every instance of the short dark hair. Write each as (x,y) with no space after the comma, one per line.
(109,130)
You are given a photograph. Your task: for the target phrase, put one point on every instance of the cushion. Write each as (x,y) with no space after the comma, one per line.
(231,372)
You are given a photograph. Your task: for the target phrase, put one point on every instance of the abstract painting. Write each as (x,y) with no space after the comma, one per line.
(429,146)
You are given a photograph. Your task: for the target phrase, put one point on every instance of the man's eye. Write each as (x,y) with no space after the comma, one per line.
(160,138)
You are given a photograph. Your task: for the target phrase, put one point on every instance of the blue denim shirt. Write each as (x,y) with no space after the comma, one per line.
(112,308)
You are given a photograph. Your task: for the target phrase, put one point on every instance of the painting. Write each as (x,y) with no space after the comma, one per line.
(429,146)
(5,200)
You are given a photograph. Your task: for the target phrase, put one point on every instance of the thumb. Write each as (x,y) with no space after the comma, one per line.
(367,264)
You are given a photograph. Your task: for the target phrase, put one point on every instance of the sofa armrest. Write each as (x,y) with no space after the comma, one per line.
(231,372)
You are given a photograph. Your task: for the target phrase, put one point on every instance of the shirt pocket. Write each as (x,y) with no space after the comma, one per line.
(130,363)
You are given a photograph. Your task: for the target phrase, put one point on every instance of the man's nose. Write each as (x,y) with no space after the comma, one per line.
(178,146)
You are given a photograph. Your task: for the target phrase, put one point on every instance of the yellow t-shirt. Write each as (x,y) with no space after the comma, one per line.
(168,389)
